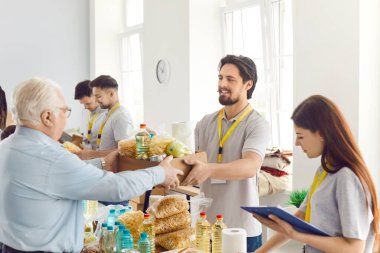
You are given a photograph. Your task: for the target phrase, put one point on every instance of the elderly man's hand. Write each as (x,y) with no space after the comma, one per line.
(112,161)
(171,179)
(86,154)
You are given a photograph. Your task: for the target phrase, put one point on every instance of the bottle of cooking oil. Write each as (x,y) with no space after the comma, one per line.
(142,143)
(148,227)
(217,234)
(202,231)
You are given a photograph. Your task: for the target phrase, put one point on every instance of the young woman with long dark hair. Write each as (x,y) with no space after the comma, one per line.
(342,200)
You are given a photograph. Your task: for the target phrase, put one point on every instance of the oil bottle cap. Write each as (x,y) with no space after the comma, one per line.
(142,125)
(219,217)
(146,215)
(203,214)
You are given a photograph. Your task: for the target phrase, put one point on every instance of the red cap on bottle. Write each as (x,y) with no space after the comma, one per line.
(219,217)
(203,214)
(146,215)
(142,125)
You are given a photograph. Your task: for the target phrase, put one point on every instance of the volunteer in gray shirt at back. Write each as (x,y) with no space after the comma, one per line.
(117,122)
(342,199)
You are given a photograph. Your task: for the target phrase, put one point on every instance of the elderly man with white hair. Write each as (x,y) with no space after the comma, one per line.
(42,184)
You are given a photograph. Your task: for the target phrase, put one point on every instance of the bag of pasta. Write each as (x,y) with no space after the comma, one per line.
(172,223)
(168,206)
(71,147)
(132,221)
(158,145)
(176,240)
(127,148)
(92,247)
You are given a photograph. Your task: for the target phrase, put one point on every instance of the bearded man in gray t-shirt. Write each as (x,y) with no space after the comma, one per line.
(235,139)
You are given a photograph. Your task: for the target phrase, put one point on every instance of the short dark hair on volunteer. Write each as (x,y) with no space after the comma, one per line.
(247,69)
(103,82)
(83,89)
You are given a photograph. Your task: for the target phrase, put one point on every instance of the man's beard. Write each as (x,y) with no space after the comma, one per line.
(103,106)
(227,101)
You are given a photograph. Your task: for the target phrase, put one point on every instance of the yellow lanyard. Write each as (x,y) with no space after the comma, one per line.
(104,123)
(223,139)
(318,178)
(90,123)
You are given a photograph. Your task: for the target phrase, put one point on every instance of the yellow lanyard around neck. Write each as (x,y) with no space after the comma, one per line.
(104,123)
(223,139)
(90,123)
(318,178)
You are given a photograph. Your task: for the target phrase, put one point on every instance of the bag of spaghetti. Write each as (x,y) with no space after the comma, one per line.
(127,148)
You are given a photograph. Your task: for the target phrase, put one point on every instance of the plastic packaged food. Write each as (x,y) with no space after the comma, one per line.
(168,206)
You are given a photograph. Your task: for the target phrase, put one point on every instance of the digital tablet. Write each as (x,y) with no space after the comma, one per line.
(297,223)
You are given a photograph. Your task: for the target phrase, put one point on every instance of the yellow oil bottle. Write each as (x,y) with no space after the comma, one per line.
(202,231)
(216,234)
(148,227)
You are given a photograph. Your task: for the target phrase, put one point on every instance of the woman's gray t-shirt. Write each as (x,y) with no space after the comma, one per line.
(339,208)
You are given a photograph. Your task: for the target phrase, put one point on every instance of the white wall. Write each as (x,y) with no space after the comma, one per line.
(188,34)
(369,82)
(166,36)
(336,54)
(106,25)
(45,38)
(205,54)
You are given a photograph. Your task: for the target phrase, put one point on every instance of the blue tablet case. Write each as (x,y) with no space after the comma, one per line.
(297,223)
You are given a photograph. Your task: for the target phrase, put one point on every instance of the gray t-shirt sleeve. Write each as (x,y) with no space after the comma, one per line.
(355,215)
(302,207)
(122,126)
(257,137)
(196,136)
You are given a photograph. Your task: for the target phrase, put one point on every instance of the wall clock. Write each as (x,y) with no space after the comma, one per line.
(163,71)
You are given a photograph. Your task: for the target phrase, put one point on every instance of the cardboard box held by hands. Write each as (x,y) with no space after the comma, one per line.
(127,163)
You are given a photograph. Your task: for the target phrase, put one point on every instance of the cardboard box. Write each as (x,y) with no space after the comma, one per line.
(73,138)
(135,206)
(155,191)
(126,163)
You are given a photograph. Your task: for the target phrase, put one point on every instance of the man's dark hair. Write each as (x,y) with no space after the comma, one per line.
(83,89)
(8,131)
(3,109)
(104,82)
(247,69)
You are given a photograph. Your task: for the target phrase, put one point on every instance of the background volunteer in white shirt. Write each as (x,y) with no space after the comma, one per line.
(92,115)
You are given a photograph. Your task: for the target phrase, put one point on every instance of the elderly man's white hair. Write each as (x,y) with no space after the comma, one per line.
(32,97)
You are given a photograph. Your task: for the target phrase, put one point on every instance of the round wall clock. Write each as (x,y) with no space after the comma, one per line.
(163,71)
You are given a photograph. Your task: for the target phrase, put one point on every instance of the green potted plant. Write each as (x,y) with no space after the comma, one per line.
(296,197)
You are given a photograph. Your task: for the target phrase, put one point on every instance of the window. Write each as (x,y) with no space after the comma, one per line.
(132,82)
(262,30)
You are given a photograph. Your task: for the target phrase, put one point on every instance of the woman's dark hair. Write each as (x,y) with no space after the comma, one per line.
(247,69)
(3,109)
(7,131)
(319,114)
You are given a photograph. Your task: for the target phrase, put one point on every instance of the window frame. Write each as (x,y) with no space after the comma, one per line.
(272,76)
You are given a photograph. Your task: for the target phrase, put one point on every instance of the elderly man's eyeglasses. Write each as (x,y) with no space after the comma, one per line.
(67,111)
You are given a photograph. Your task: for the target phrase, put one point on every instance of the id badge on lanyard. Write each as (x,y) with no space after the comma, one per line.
(223,139)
